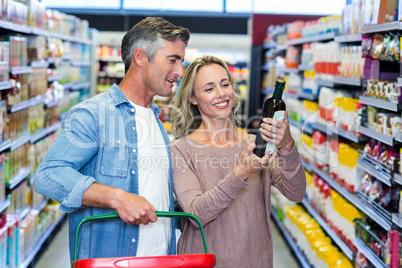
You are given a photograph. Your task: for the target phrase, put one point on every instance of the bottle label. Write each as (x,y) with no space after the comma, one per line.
(278,115)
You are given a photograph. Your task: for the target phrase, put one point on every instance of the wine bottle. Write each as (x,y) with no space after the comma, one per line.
(273,107)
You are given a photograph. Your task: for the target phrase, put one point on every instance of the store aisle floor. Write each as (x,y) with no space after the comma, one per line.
(57,254)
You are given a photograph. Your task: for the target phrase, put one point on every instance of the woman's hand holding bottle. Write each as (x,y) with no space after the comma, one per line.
(250,163)
(278,133)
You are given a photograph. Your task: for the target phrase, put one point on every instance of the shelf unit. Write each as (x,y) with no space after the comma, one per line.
(388,178)
(24,174)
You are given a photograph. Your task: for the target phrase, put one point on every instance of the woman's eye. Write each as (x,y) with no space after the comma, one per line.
(226,85)
(208,89)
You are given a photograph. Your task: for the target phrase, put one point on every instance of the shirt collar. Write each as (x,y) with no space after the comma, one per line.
(118,98)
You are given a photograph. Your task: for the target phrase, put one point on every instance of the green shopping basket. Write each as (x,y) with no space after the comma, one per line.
(170,261)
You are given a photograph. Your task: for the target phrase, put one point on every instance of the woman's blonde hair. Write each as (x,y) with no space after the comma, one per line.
(185,117)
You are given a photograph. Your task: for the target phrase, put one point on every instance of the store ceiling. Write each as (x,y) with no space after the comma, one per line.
(196,24)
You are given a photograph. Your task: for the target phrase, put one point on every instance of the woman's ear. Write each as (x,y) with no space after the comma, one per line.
(193,101)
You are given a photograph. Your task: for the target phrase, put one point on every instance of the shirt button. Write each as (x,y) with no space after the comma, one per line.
(133,172)
(134,150)
(132,110)
(133,128)
(118,141)
(133,240)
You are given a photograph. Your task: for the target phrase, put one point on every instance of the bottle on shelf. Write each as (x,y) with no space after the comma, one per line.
(273,107)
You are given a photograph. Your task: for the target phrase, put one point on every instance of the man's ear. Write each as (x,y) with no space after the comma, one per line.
(139,57)
(193,101)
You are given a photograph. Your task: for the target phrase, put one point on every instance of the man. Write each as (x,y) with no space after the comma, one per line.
(113,154)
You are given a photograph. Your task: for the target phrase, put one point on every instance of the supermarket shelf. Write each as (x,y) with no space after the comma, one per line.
(399,82)
(387,139)
(111,58)
(388,105)
(29,30)
(348,135)
(291,95)
(39,64)
(304,67)
(31,255)
(308,96)
(19,142)
(23,212)
(317,38)
(324,83)
(42,204)
(5,85)
(81,63)
(398,137)
(347,81)
(117,75)
(55,77)
(67,85)
(22,174)
(303,127)
(80,85)
(366,166)
(269,45)
(44,132)
(304,263)
(27,103)
(52,104)
(288,70)
(353,199)
(350,38)
(397,219)
(398,178)
(334,236)
(385,27)
(15,27)
(73,39)
(301,95)
(323,128)
(21,70)
(307,166)
(368,253)
(281,47)
(5,145)
(4,204)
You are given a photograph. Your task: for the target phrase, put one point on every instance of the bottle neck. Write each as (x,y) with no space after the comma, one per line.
(278,93)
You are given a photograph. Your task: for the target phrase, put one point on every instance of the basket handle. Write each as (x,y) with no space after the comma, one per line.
(166,214)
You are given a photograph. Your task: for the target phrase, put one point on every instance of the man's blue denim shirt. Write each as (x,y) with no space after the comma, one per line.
(96,144)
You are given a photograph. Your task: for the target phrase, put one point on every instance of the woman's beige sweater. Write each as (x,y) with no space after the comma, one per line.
(235,213)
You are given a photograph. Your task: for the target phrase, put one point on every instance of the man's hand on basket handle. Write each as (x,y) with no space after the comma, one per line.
(132,208)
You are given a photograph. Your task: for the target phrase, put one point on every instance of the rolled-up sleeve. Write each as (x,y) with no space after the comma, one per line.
(58,176)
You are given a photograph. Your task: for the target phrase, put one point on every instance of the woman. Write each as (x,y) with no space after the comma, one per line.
(216,175)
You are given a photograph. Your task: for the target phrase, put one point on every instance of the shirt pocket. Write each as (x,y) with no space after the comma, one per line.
(114,158)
